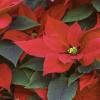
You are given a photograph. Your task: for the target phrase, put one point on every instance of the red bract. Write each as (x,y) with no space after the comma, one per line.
(88,80)
(42,93)
(5,7)
(22,94)
(92,93)
(61,46)
(59,12)
(6,76)
(5,20)
(15,35)
(25,10)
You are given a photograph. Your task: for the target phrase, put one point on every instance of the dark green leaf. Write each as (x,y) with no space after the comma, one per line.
(21,77)
(10,51)
(34,64)
(96,65)
(89,22)
(90,68)
(23,23)
(58,90)
(37,81)
(85,70)
(78,14)
(73,78)
(34,3)
(96,4)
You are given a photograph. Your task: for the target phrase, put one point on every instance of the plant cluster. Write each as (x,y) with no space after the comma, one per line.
(49,49)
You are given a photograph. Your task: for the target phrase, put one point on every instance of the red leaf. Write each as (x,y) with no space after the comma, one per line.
(24,10)
(22,94)
(56,34)
(59,12)
(87,80)
(39,12)
(74,35)
(8,5)
(42,93)
(5,20)
(91,50)
(53,65)
(34,47)
(15,35)
(91,93)
(6,76)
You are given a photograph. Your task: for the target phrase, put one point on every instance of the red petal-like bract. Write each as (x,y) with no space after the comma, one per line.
(91,93)
(5,7)
(15,35)
(53,65)
(24,10)
(22,94)
(42,93)
(5,20)
(74,35)
(56,34)
(9,5)
(55,8)
(91,50)
(87,80)
(6,76)
(34,47)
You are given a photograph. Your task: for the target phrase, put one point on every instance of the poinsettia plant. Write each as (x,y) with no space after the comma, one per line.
(49,50)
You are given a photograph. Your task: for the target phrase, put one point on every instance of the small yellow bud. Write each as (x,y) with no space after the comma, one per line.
(72,50)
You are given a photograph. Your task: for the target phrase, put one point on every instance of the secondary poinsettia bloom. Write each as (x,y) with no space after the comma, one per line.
(5,7)
(62,46)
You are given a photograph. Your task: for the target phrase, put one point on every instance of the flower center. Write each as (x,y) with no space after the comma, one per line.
(72,50)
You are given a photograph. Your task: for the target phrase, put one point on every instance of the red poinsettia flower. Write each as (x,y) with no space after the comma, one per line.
(61,46)
(5,7)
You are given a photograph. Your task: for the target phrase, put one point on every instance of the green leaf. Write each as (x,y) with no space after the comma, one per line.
(58,90)
(90,68)
(85,70)
(37,81)
(34,64)
(89,22)
(10,51)
(78,14)
(21,77)
(23,23)
(29,79)
(73,78)
(96,65)
(96,4)
(34,3)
